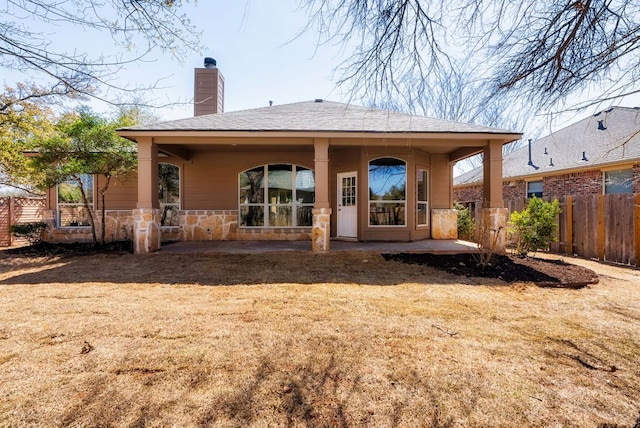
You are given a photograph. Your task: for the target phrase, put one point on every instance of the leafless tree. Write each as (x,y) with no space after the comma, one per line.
(538,53)
(138,27)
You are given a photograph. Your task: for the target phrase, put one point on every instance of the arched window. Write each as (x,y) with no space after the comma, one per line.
(279,195)
(169,193)
(387,192)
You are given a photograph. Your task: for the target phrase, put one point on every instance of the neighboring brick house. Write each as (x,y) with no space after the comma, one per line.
(597,155)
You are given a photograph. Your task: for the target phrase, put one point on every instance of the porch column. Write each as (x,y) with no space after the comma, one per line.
(321,230)
(147,216)
(493,221)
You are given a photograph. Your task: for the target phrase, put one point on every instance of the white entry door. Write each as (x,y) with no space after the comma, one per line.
(347,205)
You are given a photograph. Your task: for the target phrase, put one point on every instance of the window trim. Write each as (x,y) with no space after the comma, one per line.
(394,201)
(266,205)
(425,202)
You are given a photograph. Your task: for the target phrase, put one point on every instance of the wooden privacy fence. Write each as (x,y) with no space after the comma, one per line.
(603,227)
(14,210)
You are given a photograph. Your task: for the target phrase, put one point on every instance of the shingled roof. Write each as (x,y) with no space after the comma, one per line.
(318,115)
(606,138)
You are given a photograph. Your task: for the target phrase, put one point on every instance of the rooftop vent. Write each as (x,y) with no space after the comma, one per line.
(601,126)
(584,157)
(551,162)
(318,100)
(210,63)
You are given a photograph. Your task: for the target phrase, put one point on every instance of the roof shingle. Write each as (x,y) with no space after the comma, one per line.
(619,141)
(326,116)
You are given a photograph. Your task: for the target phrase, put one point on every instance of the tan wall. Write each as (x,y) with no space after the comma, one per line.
(122,193)
(441,182)
(210,179)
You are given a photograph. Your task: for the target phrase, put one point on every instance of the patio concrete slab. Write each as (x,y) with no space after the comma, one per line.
(246,247)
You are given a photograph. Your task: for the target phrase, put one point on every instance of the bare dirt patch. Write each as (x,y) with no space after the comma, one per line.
(297,339)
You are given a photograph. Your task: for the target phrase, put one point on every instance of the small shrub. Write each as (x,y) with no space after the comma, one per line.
(466,226)
(487,246)
(535,227)
(32,232)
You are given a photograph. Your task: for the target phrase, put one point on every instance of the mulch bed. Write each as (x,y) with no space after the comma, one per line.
(45,249)
(544,273)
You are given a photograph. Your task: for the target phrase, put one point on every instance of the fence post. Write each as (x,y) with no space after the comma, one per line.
(601,231)
(636,227)
(569,225)
(12,210)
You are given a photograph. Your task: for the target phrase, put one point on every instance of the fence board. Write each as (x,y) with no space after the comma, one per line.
(14,210)
(5,222)
(596,226)
(619,227)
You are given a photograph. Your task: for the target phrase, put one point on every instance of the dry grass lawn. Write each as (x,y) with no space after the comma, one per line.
(297,339)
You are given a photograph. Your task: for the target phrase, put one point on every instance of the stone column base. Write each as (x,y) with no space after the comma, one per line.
(444,224)
(146,230)
(492,229)
(321,230)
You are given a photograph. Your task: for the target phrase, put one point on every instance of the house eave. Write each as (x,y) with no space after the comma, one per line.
(624,163)
(210,137)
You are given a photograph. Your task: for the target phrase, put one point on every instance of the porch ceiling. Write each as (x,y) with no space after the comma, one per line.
(457,146)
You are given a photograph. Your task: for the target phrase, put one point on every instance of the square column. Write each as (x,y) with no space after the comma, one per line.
(492,232)
(492,183)
(321,229)
(147,215)
(146,230)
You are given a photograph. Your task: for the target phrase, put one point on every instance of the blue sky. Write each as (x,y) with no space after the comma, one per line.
(257,45)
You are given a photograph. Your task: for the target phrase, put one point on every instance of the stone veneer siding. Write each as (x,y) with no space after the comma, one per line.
(222,225)
(118,227)
(195,225)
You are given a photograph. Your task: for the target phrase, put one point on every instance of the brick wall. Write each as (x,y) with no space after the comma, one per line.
(575,184)
(467,193)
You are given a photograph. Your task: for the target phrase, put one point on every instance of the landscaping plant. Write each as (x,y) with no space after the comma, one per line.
(466,226)
(535,227)
(32,232)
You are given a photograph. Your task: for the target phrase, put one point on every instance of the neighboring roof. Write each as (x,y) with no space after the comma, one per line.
(618,142)
(318,115)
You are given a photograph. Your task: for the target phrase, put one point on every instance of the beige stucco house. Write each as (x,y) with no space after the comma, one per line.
(313,170)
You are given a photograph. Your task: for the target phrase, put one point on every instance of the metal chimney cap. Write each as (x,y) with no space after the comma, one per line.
(210,62)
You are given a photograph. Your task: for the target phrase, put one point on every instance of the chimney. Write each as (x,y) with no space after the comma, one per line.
(208,93)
